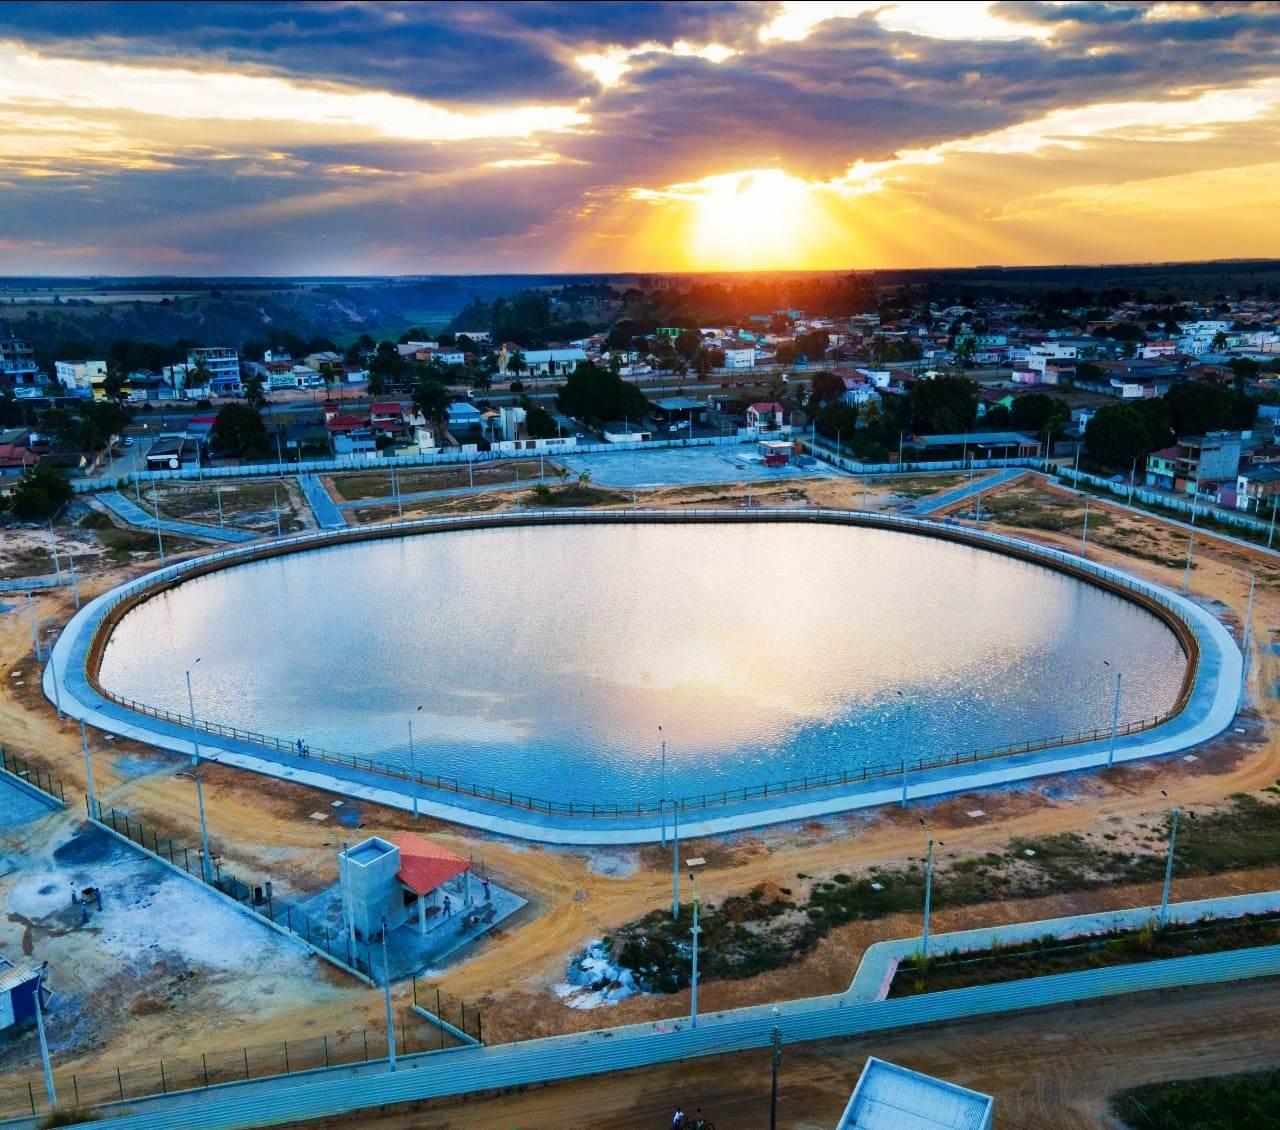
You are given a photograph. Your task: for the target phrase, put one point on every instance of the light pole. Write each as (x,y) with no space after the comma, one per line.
(775,1060)
(1084,533)
(904,756)
(662,791)
(53,548)
(217,490)
(1133,479)
(1115,714)
(44,1043)
(75,584)
(275,498)
(155,505)
(693,980)
(88,764)
(1191,539)
(198,774)
(1168,865)
(386,988)
(675,860)
(1245,641)
(413,768)
(928,888)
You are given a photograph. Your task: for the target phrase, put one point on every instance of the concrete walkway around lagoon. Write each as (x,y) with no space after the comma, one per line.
(134,514)
(328,516)
(1210,708)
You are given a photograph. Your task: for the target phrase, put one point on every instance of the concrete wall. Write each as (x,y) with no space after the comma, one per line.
(372,891)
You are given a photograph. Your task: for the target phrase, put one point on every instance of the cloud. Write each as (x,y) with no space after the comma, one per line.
(171,92)
(454,136)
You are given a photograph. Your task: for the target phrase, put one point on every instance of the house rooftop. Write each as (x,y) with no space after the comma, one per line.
(889,1097)
(424,866)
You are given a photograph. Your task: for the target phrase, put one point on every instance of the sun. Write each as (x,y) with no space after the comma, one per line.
(751,219)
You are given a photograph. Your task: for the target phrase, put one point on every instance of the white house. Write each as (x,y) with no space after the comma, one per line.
(740,358)
(79,374)
(1039,356)
(765,415)
(546,362)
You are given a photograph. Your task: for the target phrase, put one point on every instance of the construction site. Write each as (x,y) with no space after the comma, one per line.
(201,929)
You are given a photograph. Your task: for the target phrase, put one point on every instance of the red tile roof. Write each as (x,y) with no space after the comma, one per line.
(423,865)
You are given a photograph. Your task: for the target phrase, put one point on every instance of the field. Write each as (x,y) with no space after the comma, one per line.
(250,505)
(1099,838)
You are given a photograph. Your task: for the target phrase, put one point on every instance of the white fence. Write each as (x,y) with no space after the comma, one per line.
(469,1070)
(1167,501)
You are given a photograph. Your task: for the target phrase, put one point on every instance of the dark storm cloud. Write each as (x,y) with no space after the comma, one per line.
(474,53)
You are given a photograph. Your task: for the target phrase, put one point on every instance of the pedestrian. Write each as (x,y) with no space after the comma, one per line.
(300,747)
(485,883)
(699,1123)
(448,907)
(677,1119)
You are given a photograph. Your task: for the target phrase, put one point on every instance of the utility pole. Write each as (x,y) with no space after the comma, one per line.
(1084,534)
(386,986)
(662,792)
(44,1042)
(35,628)
(217,490)
(693,980)
(275,496)
(1271,532)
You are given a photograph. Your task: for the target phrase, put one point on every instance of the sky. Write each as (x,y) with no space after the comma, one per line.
(397,138)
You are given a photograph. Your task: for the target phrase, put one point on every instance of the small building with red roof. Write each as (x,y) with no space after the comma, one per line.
(385,881)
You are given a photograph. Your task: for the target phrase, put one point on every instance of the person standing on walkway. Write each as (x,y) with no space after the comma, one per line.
(448,907)
(677,1119)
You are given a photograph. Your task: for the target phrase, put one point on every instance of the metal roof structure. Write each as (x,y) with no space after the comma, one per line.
(889,1097)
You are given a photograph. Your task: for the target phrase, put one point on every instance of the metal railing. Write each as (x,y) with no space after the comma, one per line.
(171,574)
(39,779)
(258,899)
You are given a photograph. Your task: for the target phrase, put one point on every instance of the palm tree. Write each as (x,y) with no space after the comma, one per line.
(1219,342)
(431,399)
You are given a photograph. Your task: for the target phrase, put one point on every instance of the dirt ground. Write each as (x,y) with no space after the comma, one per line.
(249,504)
(262,827)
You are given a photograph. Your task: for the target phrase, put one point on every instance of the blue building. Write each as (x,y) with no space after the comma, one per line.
(18,986)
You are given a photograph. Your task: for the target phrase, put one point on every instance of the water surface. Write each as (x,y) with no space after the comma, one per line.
(545,660)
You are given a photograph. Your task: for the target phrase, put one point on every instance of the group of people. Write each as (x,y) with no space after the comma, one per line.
(681,1121)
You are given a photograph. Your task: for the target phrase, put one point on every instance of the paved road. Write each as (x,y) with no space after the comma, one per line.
(132,513)
(979,486)
(323,507)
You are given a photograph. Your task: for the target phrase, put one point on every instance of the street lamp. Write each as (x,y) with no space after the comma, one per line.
(1115,713)
(662,791)
(44,1043)
(386,988)
(1084,534)
(1168,864)
(693,980)
(775,1061)
(928,887)
(413,769)
(904,756)
(198,773)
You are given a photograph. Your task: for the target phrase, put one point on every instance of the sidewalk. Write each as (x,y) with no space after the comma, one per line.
(968,490)
(323,507)
(132,513)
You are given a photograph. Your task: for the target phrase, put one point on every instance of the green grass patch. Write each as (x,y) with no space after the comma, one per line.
(1231,1102)
(1048,956)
